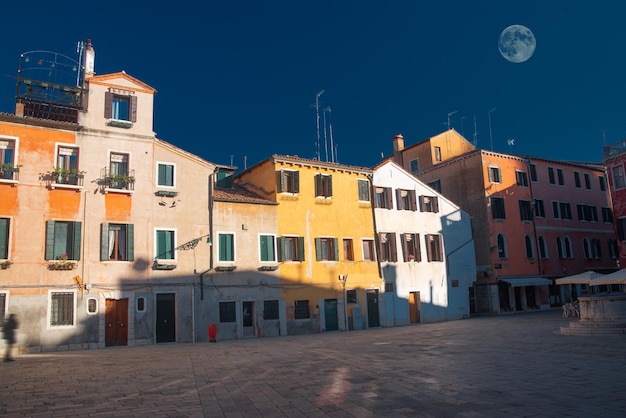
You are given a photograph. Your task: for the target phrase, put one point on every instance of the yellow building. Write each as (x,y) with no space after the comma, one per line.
(326,247)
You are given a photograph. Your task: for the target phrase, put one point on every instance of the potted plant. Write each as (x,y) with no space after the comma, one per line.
(62,263)
(7,170)
(5,264)
(411,257)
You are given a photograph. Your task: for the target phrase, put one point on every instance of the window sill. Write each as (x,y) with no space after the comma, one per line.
(268,268)
(225,268)
(158,266)
(166,193)
(65,186)
(113,190)
(11,182)
(120,123)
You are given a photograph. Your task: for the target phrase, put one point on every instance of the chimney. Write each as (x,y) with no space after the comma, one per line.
(19,109)
(398,143)
(90,60)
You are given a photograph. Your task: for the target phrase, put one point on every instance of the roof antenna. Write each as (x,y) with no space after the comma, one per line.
(450,114)
(475,132)
(317,114)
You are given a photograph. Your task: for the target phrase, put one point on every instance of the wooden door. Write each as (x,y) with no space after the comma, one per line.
(414,307)
(116,322)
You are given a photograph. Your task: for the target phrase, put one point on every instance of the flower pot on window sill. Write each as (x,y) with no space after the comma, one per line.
(64,265)
(5,265)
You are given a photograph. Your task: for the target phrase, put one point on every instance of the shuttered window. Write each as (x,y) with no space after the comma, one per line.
(117,242)
(63,240)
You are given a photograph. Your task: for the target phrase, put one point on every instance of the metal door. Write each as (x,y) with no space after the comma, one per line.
(165,317)
(330,315)
(373,319)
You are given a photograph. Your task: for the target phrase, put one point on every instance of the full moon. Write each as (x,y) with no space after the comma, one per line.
(517,43)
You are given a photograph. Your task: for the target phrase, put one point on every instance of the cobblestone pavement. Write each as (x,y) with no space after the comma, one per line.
(505,366)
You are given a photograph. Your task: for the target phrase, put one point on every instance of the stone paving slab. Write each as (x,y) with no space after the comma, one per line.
(505,366)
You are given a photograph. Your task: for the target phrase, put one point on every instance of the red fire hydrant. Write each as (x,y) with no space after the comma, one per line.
(212,333)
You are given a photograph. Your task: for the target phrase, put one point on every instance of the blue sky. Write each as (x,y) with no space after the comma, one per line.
(239,78)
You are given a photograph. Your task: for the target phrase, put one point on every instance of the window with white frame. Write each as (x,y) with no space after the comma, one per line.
(66,170)
(497,207)
(564,247)
(521,178)
(63,240)
(540,211)
(551,178)
(587,248)
(165,243)
(117,242)
(438,154)
(596,248)
(414,166)
(225,247)
(602,181)
(368,250)
(577,182)
(5,225)
(92,306)
(291,248)
(326,249)
(587,181)
(166,174)
(62,306)
(533,172)
(494,175)
(267,247)
(559,175)
(525,210)
(120,176)
(411,247)
(607,215)
(120,106)
(8,158)
(530,248)
(617,172)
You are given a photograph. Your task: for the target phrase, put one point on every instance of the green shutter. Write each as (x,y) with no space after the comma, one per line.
(280,181)
(49,240)
(318,247)
(296,183)
(76,231)
(104,241)
(300,248)
(263,247)
(335,249)
(130,242)
(4,238)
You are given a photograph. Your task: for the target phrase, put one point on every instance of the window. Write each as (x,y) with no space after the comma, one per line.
(561,210)
(438,154)
(8,158)
(301,309)
(63,239)
(326,249)
(586,249)
(364,190)
(414,166)
(224,180)
(141,304)
(434,247)
(613,248)
(66,168)
(497,208)
(119,176)
(5,224)
(543,249)
(587,213)
(388,287)
(270,309)
(165,175)
(384,198)
(406,199)
(120,107)
(540,211)
(501,246)
(530,251)
(92,306)
(577,180)
(521,178)
(621,229)
(559,175)
(3,306)
(411,247)
(323,185)
(617,172)
(533,172)
(525,210)
(267,248)
(551,175)
(62,307)
(387,242)
(288,181)
(228,311)
(291,248)
(165,244)
(607,215)
(587,181)
(596,249)
(348,249)
(429,204)
(494,175)
(564,247)
(225,247)
(602,181)
(368,250)
(351,296)
(435,185)
(117,242)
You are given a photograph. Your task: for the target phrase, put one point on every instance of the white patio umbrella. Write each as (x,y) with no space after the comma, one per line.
(589,277)
(617,277)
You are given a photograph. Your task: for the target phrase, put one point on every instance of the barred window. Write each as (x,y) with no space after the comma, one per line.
(270,309)
(301,309)
(228,312)
(61,309)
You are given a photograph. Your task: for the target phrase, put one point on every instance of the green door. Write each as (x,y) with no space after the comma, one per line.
(330,315)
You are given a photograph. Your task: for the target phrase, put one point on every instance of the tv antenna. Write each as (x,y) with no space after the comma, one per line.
(490,136)
(462,130)
(511,143)
(450,114)
(475,132)
(317,113)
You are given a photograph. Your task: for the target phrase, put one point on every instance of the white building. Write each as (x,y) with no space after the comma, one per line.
(426,250)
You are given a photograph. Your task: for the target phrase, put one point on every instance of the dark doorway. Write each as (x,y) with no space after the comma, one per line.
(248,319)
(518,298)
(372,308)
(116,322)
(330,315)
(414,307)
(165,317)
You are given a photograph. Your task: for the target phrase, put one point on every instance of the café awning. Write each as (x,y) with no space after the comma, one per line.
(526,281)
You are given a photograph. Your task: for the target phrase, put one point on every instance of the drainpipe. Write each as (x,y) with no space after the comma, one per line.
(211,261)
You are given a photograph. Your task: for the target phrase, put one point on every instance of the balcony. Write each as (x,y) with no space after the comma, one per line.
(9,172)
(121,182)
(66,178)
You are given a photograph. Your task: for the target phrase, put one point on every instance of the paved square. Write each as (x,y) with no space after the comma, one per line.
(505,366)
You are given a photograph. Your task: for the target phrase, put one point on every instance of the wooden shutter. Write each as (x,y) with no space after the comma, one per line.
(133,108)
(318,248)
(388,198)
(49,240)
(300,248)
(413,200)
(329,180)
(296,182)
(104,241)
(76,231)
(4,238)
(436,204)
(399,199)
(130,242)
(393,250)
(281,249)
(318,185)
(335,249)
(280,181)
(108,105)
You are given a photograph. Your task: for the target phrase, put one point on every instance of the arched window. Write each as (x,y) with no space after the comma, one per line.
(543,250)
(586,249)
(530,251)
(568,248)
(501,246)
